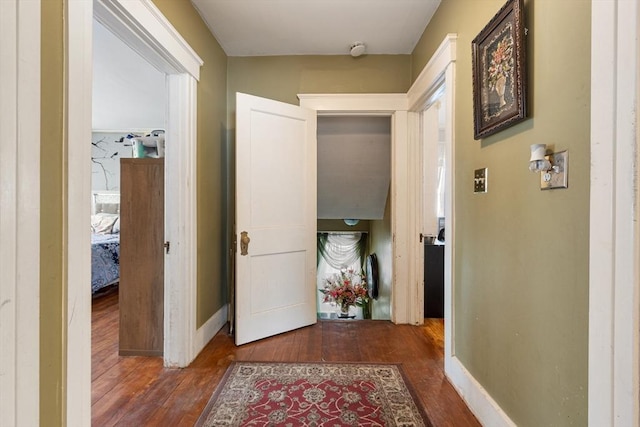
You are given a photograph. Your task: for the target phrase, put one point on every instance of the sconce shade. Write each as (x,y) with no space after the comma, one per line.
(538,152)
(538,162)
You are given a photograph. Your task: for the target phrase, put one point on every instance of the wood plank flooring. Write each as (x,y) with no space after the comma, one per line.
(139,391)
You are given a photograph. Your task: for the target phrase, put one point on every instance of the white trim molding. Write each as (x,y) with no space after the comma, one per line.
(180,223)
(206,332)
(402,288)
(432,75)
(77,229)
(477,398)
(19,213)
(354,103)
(149,33)
(614,258)
(394,106)
(439,72)
(140,25)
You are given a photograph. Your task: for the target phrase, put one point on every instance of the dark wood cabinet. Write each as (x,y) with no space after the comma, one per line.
(141,257)
(433,281)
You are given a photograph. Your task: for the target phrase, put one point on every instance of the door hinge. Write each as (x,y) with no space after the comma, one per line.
(167,245)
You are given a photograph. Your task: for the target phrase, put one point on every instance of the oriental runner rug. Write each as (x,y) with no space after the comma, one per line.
(313,394)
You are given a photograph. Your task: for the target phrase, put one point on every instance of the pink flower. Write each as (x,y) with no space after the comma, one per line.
(346,288)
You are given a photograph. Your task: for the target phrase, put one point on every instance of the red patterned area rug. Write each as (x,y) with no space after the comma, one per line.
(313,394)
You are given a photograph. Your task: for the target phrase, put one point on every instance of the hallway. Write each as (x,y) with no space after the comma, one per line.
(138,391)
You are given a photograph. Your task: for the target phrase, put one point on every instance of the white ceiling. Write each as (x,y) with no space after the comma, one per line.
(316,27)
(128,93)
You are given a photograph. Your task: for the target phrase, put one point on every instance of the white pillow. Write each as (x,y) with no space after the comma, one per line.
(116,226)
(102,223)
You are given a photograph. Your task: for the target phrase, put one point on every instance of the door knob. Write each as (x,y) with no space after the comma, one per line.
(244,243)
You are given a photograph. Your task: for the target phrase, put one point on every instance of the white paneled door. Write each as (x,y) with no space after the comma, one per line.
(276,214)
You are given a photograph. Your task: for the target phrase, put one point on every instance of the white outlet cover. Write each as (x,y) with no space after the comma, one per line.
(552,180)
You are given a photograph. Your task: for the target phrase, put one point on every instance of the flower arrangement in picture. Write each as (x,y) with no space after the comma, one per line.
(500,67)
(501,61)
(345,289)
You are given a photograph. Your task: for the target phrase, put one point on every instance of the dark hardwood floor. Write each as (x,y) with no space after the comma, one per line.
(139,391)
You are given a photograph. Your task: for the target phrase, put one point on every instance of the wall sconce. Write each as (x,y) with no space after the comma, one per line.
(351,222)
(553,167)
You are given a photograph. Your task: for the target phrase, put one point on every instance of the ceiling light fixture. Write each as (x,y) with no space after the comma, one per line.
(357,49)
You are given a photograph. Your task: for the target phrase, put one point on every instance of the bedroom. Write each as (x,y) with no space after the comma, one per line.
(129,101)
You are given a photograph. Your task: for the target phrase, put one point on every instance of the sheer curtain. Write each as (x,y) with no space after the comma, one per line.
(335,252)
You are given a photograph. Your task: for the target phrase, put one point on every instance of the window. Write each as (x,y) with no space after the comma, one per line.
(338,251)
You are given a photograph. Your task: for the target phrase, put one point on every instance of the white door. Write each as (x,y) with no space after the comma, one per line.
(276,210)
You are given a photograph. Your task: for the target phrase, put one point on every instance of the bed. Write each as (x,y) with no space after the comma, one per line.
(105,240)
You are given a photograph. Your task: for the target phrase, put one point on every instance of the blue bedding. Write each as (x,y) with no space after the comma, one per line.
(105,260)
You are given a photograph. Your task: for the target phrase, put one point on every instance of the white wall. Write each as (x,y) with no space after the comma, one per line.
(128,93)
(106,152)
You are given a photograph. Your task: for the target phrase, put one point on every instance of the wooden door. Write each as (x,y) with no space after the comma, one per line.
(276,211)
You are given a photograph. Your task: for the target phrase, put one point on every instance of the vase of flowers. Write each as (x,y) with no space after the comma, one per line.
(345,289)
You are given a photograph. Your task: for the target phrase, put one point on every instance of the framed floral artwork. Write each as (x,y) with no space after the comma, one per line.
(499,72)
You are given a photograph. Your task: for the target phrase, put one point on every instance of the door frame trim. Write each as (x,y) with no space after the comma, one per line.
(142,26)
(441,70)
(394,106)
(20,141)
(614,234)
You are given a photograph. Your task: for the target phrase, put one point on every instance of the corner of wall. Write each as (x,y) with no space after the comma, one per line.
(207,331)
(475,396)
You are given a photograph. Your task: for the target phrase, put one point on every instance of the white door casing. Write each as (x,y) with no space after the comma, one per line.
(403,295)
(614,235)
(276,210)
(439,72)
(19,213)
(141,25)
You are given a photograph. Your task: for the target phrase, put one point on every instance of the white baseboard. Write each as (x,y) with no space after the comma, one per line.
(486,410)
(210,328)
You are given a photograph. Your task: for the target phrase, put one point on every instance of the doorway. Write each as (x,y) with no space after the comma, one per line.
(354,177)
(394,108)
(433,202)
(143,27)
(129,103)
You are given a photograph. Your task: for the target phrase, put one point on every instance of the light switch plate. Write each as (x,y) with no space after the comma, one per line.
(480,180)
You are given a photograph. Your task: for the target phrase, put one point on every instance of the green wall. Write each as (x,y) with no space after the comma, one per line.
(328,225)
(52,199)
(211,155)
(521,254)
(283,77)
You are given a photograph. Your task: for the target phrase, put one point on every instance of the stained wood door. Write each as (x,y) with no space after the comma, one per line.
(276,210)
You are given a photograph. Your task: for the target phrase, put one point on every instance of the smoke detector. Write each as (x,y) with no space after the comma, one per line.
(357,49)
